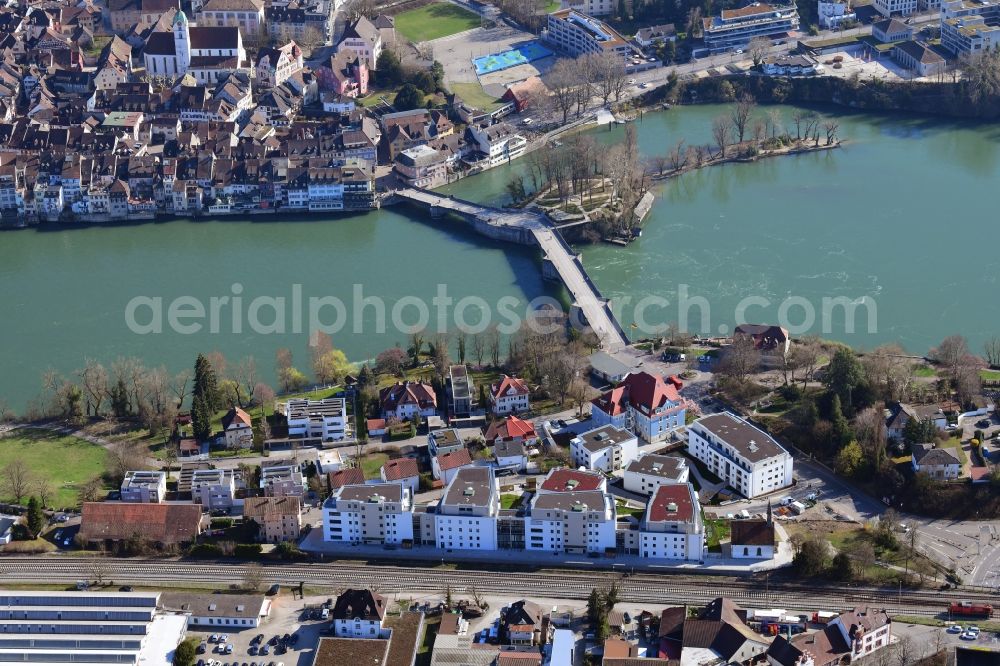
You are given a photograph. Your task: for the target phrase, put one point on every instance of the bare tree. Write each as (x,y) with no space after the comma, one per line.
(869,429)
(721,127)
(125,456)
(45,491)
(992,350)
(831,131)
(246,376)
(741,113)
(951,353)
(17,480)
(179,386)
(479,348)
(253,577)
(906,653)
(740,359)
(564,82)
(678,156)
(758,48)
(94,379)
(99,570)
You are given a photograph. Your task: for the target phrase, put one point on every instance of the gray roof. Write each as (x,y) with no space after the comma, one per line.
(214,605)
(584,500)
(926,456)
(668,467)
(603,437)
(752,443)
(446,437)
(472,486)
(507,448)
(605,364)
(389,492)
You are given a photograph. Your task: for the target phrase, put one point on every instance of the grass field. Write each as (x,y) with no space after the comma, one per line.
(434,21)
(371,464)
(474,94)
(66,462)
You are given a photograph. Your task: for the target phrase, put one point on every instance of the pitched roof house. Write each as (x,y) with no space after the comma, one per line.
(166,524)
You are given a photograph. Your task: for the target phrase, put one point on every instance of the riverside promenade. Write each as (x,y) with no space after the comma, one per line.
(528,227)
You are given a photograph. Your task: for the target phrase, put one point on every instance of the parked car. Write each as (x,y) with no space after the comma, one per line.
(984,423)
(955,629)
(969,636)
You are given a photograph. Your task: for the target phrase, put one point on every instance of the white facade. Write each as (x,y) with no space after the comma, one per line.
(318,419)
(742,455)
(649,472)
(359,628)
(282,481)
(510,395)
(144,487)
(375,513)
(672,527)
(213,488)
(832,13)
(604,449)
(571,522)
(889,8)
(467,513)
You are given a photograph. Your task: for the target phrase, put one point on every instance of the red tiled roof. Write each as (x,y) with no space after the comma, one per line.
(639,389)
(160,523)
(400,468)
(559,480)
(519,659)
(510,428)
(346,477)
(454,459)
(679,495)
(752,532)
(407,393)
(236,416)
(504,386)
(375,424)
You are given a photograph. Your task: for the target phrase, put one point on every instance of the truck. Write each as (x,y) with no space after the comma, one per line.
(970,609)
(823,617)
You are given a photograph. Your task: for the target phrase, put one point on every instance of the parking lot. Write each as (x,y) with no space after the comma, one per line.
(287,617)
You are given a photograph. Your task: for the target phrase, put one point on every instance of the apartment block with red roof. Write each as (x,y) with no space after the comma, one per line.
(672,528)
(644,404)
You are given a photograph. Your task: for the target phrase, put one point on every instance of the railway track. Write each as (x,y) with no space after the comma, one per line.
(560,584)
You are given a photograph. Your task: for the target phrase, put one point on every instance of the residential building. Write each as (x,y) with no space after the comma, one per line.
(421,166)
(349,476)
(460,391)
(655,35)
(466,517)
(282,479)
(718,633)
(274,66)
(890,8)
(445,466)
(60,627)
(790,65)
(644,404)
(510,455)
(650,471)
(7,524)
(330,460)
(279,518)
(752,538)
(922,60)
(404,399)
(891,30)
(404,471)
(346,75)
(575,33)
(213,488)
(404,634)
(522,94)
(604,449)
(446,440)
(510,395)
(900,414)
(734,28)
(605,366)
(942,464)
(225,611)
(573,521)
(742,455)
(863,631)
(307,20)
(362,39)
(969,27)
(247,15)
(375,427)
(359,613)
(590,7)
(672,527)
(163,524)
(831,13)
(237,429)
(210,54)
(524,623)
(325,419)
(511,429)
(144,486)
(494,145)
(373,513)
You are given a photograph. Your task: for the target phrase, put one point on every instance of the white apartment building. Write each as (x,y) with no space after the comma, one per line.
(604,449)
(647,473)
(864,629)
(374,513)
(672,528)
(890,8)
(466,516)
(575,33)
(213,488)
(359,614)
(318,419)
(282,480)
(496,144)
(831,13)
(571,522)
(510,395)
(144,487)
(446,440)
(590,7)
(742,455)
(734,28)
(969,27)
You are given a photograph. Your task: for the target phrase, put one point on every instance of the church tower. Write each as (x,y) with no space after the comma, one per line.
(182,43)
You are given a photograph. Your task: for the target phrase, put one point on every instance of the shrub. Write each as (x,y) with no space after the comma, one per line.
(247,550)
(206,550)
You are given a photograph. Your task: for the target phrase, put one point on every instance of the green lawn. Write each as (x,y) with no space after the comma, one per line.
(474,94)
(990,375)
(922,370)
(438,19)
(550,6)
(375,97)
(510,501)
(624,510)
(716,530)
(66,462)
(371,463)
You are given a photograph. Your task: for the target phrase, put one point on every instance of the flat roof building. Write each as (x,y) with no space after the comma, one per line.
(144,486)
(742,455)
(734,28)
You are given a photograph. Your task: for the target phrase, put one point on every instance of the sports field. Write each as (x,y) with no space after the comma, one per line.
(433,21)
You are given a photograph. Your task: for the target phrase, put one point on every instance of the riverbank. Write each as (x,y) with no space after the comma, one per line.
(799,148)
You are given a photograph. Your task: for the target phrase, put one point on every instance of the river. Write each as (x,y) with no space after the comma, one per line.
(902,216)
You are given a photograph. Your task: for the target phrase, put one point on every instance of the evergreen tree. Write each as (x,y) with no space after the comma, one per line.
(201,418)
(206,384)
(843,376)
(841,432)
(35,518)
(119,399)
(483,402)
(841,568)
